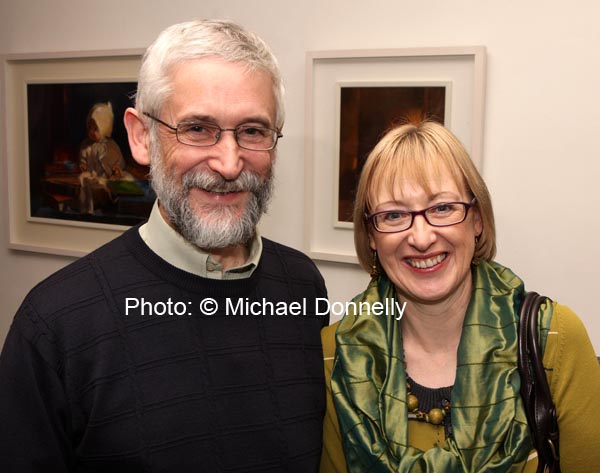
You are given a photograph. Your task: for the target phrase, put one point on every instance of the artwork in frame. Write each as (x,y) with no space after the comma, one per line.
(366,111)
(352,98)
(80,167)
(72,183)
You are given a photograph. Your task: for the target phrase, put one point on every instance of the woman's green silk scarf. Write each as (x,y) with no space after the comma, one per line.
(490,432)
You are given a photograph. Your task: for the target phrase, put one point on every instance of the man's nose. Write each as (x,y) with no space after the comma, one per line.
(226,158)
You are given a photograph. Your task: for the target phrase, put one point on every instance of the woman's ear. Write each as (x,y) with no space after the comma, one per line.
(137,133)
(372,242)
(477,221)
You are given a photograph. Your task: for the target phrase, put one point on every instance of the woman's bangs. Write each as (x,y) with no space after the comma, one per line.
(417,166)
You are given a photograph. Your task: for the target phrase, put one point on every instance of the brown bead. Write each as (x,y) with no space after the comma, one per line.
(436,416)
(413,403)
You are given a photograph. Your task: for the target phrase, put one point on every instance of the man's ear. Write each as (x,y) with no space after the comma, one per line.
(137,133)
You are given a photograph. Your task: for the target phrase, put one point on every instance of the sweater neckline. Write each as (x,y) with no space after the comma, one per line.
(186,280)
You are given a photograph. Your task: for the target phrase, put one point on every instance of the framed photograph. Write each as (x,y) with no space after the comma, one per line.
(72,183)
(365,111)
(352,99)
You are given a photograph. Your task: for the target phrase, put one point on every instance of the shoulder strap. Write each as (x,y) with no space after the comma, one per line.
(540,410)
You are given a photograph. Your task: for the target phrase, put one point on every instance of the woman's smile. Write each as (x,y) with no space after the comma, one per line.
(427,263)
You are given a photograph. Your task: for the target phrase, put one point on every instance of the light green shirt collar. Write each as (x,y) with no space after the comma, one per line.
(176,250)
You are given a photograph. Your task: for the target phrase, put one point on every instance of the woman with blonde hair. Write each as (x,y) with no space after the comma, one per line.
(438,390)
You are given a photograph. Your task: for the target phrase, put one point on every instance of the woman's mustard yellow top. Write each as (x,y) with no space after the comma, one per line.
(574,377)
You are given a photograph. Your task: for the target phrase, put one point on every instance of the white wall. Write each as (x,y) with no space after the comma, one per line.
(541,127)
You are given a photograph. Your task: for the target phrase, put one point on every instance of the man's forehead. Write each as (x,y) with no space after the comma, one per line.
(209,66)
(213,86)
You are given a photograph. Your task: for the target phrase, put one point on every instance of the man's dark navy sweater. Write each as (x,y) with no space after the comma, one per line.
(90,383)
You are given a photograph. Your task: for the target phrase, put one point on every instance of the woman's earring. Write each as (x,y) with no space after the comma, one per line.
(374,265)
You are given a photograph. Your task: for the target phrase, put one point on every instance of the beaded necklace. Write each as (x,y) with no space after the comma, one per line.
(435,416)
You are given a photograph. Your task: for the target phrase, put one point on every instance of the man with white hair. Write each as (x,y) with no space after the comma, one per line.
(189,343)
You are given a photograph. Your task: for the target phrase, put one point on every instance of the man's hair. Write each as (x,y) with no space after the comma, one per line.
(196,40)
(420,153)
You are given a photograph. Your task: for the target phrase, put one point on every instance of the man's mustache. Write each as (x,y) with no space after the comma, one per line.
(213,182)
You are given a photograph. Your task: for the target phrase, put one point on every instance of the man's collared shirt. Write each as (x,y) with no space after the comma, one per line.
(176,250)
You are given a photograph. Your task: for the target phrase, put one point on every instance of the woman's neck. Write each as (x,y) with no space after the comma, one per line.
(430,335)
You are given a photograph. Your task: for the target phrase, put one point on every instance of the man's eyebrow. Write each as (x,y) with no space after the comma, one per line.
(258,119)
(263,121)
(198,118)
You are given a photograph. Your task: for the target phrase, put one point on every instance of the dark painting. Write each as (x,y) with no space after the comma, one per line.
(366,113)
(80,165)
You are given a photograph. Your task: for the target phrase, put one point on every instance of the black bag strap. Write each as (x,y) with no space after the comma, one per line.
(540,410)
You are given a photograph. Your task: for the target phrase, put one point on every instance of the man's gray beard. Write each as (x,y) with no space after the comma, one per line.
(211,226)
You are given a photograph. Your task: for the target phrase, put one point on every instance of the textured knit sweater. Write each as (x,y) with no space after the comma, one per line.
(117,363)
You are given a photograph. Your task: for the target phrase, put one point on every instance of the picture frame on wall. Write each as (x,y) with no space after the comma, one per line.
(71,181)
(352,98)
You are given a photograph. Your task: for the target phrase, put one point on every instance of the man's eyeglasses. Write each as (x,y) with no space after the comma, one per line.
(252,137)
(438,215)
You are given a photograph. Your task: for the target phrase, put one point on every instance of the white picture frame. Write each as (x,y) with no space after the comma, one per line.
(325,237)
(48,235)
